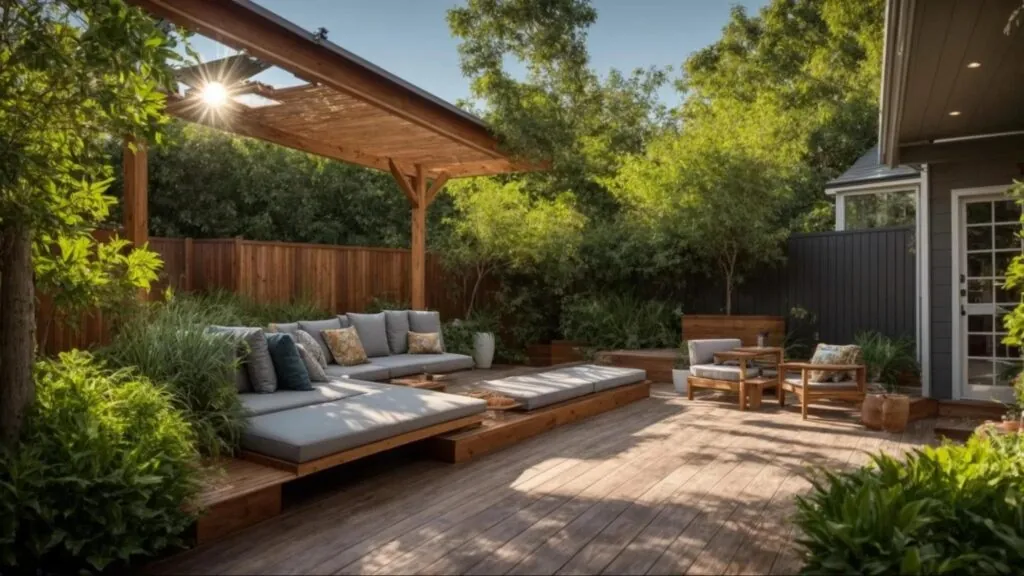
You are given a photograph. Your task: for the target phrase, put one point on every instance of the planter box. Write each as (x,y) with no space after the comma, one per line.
(746,328)
(554,352)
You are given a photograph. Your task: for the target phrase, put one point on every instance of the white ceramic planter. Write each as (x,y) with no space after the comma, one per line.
(679,380)
(483,349)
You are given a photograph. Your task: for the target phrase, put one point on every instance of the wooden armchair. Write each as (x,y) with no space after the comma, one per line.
(807,391)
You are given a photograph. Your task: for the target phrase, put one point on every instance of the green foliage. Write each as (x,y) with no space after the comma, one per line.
(102,473)
(1014,320)
(74,72)
(381,303)
(887,358)
(166,342)
(613,321)
(952,509)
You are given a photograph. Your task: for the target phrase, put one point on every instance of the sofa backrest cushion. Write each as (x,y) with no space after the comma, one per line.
(425,322)
(703,351)
(291,371)
(343,318)
(313,366)
(372,330)
(258,364)
(315,327)
(286,328)
(397,324)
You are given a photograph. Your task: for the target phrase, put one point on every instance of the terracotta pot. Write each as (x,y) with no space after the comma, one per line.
(1010,426)
(871,411)
(895,412)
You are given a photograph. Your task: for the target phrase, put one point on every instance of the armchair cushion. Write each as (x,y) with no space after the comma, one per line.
(722,372)
(827,385)
(827,354)
(703,351)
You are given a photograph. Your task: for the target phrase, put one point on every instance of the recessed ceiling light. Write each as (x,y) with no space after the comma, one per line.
(974,65)
(954,113)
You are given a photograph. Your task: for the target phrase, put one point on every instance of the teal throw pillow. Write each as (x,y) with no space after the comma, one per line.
(288,365)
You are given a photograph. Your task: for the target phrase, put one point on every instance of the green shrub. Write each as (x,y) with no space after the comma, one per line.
(101,473)
(956,509)
(608,322)
(167,343)
(887,358)
(227,308)
(381,303)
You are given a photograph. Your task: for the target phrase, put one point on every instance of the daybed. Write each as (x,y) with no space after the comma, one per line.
(535,391)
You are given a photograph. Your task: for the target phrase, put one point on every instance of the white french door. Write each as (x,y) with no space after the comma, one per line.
(988,234)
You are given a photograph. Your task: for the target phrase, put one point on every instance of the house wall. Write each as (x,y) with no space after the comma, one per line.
(943,179)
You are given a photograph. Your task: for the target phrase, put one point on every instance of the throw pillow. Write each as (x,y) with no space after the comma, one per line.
(372,330)
(425,343)
(426,322)
(256,357)
(312,346)
(288,328)
(345,346)
(288,365)
(313,366)
(315,327)
(825,354)
(397,322)
(850,354)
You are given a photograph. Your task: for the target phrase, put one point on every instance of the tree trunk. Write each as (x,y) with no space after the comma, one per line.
(480,273)
(17,331)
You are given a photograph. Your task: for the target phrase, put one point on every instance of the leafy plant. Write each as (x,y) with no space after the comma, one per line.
(683,356)
(166,342)
(609,322)
(102,474)
(801,333)
(951,509)
(381,303)
(1014,321)
(887,358)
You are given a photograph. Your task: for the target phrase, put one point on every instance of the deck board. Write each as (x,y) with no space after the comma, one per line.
(658,486)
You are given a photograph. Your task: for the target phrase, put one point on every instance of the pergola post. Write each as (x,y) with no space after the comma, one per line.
(136,192)
(419,241)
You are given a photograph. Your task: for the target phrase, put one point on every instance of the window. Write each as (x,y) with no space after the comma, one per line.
(875,209)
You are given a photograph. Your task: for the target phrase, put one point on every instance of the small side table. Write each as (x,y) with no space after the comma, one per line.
(423,381)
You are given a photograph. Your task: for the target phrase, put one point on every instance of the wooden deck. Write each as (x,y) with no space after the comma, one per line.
(660,486)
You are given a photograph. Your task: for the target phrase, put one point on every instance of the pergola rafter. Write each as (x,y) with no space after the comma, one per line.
(349,110)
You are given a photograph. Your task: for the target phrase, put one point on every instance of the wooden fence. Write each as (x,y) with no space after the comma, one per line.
(337,278)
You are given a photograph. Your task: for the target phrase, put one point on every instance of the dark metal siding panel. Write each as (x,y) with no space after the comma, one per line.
(942,180)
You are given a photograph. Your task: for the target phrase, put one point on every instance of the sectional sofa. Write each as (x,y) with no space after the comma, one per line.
(306,430)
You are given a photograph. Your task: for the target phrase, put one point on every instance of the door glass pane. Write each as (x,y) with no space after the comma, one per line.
(1007,211)
(979,291)
(980,345)
(979,323)
(979,212)
(979,264)
(979,238)
(1004,351)
(1003,260)
(979,372)
(1006,372)
(1007,296)
(1007,236)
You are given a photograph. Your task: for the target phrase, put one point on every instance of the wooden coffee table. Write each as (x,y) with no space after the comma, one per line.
(434,382)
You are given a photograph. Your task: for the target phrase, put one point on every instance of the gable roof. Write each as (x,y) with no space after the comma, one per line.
(868,169)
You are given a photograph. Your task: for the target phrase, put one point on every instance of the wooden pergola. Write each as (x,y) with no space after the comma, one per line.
(349,110)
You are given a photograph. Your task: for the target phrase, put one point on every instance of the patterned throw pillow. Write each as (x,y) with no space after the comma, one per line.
(345,346)
(825,354)
(316,371)
(312,346)
(849,355)
(429,343)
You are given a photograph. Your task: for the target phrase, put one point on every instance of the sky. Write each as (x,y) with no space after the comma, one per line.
(410,38)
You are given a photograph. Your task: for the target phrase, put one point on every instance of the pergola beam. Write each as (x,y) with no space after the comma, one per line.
(418,250)
(408,188)
(136,192)
(245,26)
(436,186)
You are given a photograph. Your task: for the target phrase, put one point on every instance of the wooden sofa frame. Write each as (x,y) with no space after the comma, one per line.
(750,390)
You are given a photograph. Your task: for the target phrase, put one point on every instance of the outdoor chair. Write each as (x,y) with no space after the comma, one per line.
(723,364)
(807,391)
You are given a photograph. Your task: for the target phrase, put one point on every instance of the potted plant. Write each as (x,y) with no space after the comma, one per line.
(483,349)
(887,360)
(681,369)
(1012,419)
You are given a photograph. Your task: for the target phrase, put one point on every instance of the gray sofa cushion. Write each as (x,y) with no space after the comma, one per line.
(314,327)
(259,404)
(400,365)
(703,351)
(286,328)
(605,377)
(397,322)
(359,371)
(344,321)
(424,321)
(313,366)
(372,330)
(722,372)
(795,379)
(258,365)
(539,390)
(311,432)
